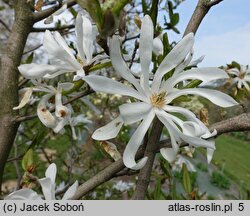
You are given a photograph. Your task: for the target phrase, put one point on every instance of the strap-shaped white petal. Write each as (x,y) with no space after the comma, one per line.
(204,74)
(71,191)
(35,71)
(48,188)
(146,49)
(104,84)
(58,50)
(84,37)
(108,131)
(51,172)
(134,112)
(198,127)
(44,114)
(192,140)
(25,99)
(135,142)
(216,97)
(174,58)
(23,194)
(120,65)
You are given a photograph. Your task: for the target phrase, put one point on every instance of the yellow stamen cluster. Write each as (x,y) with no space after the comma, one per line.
(242,75)
(80,60)
(158,100)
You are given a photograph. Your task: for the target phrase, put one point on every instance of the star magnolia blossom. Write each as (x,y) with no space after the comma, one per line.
(241,77)
(48,185)
(155,99)
(61,57)
(62,113)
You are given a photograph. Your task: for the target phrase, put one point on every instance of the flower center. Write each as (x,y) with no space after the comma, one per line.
(158,100)
(80,60)
(63,113)
(242,75)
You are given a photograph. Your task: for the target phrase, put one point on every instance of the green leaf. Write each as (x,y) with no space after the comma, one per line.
(30,58)
(100,66)
(183,98)
(186,179)
(165,167)
(166,44)
(119,5)
(144,7)
(38,138)
(154,12)
(27,159)
(170,8)
(174,19)
(73,12)
(193,84)
(173,190)
(235,64)
(157,192)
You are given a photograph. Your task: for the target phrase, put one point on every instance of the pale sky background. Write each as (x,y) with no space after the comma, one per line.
(224,34)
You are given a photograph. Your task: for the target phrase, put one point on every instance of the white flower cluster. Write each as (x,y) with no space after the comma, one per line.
(240,76)
(61,60)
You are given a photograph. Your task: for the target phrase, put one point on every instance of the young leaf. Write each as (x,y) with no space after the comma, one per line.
(30,58)
(157,192)
(186,180)
(167,47)
(174,19)
(27,159)
(154,11)
(73,12)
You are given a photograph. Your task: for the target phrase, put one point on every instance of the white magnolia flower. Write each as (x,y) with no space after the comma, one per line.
(123,186)
(178,163)
(61,57)
(241,77)
(156,99)
(48,185)
(62,114)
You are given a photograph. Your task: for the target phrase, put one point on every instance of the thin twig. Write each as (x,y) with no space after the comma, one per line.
(32,50)
(5,25)
(38,16)
(131,38)
(22,83)
(134,54)
(213,2)
(62,28)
